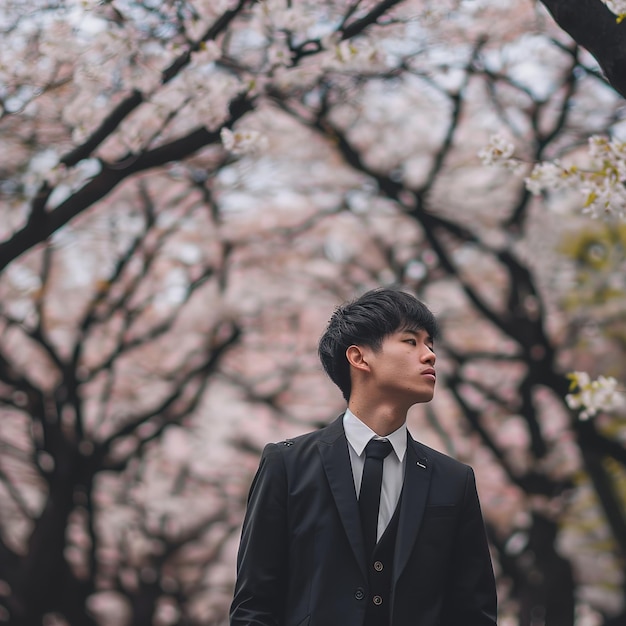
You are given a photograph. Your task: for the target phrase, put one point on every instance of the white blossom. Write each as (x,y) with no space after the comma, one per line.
(41,168)
(601,184)
(593,396)
(58,44)
(605,199)
(208,53)
(355,56)
(279,53)
(281,16)
(242,142)
(499,151)
(550,175)
(67,180)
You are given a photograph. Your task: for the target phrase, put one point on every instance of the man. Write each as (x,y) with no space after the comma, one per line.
(318,548)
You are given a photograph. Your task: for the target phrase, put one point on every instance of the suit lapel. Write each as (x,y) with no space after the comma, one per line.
(333,448)
(417,476)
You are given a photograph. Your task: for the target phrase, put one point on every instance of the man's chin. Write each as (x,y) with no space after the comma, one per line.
(424,398)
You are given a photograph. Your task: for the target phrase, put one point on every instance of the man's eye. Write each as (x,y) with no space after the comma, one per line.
(412,342)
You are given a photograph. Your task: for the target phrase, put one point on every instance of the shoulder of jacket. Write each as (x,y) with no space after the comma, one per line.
(299,442)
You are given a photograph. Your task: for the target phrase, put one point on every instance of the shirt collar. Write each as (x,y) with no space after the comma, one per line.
(358,434)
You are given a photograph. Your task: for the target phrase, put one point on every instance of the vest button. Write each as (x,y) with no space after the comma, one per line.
(377,600)
(359,594)
(378,566)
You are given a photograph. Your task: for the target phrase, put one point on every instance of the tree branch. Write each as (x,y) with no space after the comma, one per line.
(594,27)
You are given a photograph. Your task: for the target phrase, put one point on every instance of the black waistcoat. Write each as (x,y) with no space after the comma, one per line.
(380,567)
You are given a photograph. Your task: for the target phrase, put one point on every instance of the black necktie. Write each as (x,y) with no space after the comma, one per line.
(369,497)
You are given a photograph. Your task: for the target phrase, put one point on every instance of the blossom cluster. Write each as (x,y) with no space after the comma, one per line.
(602,185)
(593,396)
(499,151)
(243,142)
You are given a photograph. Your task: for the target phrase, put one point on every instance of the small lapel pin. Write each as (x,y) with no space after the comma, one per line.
(422,463)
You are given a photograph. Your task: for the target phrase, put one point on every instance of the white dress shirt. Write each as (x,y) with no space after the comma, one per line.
(358,435)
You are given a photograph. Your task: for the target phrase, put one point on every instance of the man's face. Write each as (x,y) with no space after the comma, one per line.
(404,366)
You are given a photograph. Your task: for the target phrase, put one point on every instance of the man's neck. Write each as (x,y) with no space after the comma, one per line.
(383,420)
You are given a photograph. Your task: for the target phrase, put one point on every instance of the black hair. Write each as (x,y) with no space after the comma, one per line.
(366,321)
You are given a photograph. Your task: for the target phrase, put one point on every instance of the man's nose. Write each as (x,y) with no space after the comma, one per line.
(428,356)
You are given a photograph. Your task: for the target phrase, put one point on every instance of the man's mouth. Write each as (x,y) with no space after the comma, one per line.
(430,373)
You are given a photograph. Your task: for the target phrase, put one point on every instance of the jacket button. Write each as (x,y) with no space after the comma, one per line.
(378,566)
(359,594)
(377,600)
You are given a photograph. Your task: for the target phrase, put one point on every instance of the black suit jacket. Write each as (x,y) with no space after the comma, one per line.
(301,560)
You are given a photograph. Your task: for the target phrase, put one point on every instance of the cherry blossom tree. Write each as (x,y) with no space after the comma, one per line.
(121,306)
(508,338)
(94,373)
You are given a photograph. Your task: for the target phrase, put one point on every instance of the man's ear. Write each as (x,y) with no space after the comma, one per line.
(357,358)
